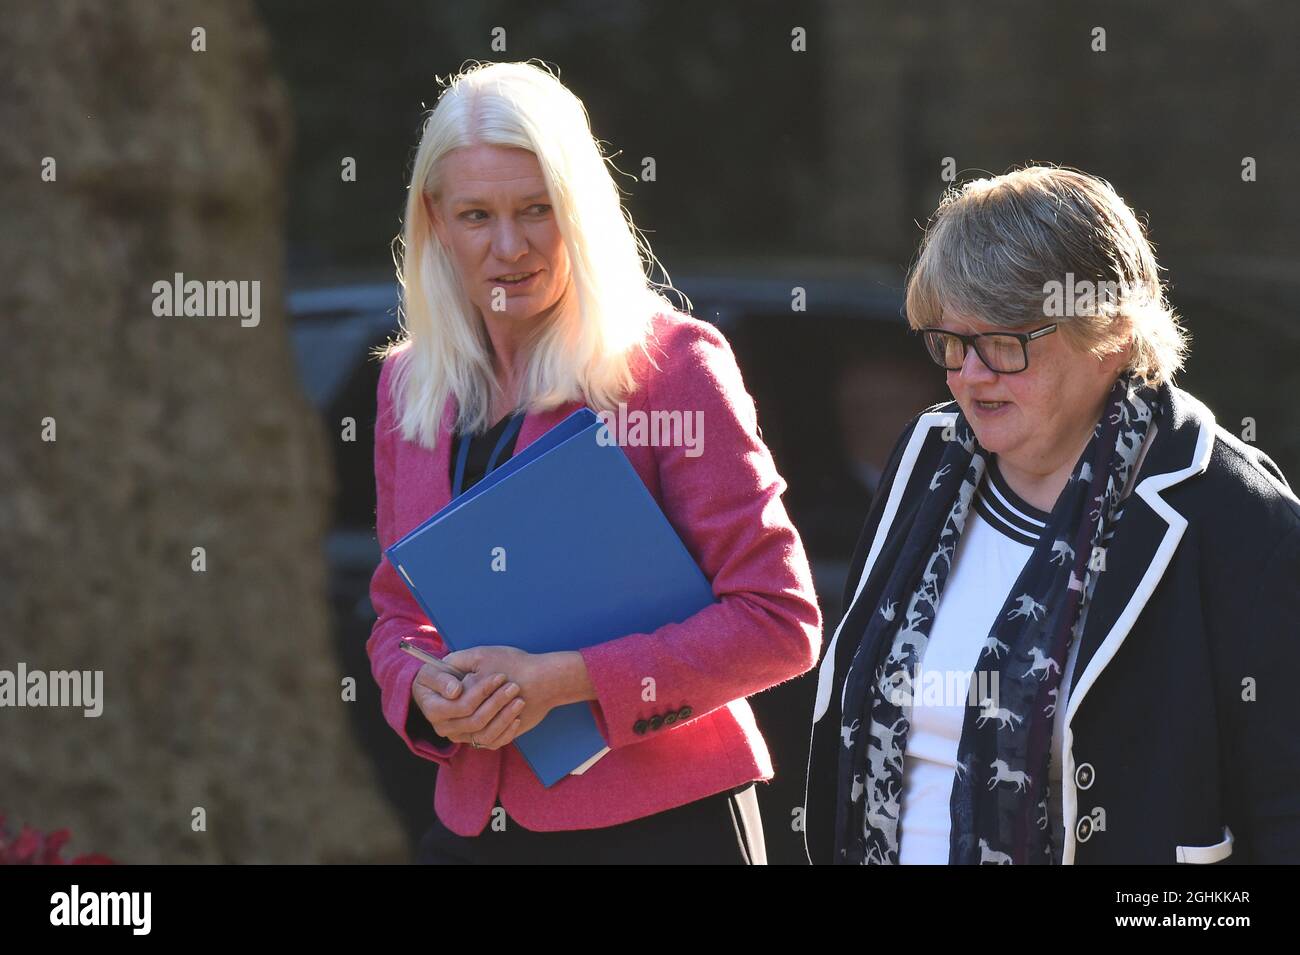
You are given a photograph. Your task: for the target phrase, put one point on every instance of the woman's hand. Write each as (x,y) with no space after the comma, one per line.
(546,680)
(483,709)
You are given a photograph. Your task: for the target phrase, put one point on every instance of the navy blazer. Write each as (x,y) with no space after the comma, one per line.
(1182,741)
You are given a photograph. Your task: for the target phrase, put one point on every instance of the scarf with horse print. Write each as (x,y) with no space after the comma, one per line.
(1000,798)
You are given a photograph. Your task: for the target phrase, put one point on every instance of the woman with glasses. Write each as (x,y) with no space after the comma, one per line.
(1071,617)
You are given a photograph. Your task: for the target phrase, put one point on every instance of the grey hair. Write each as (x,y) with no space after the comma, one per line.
(1001,249)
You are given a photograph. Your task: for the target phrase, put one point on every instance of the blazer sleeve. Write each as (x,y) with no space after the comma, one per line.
(1262,731)
(725,503)
(398,616)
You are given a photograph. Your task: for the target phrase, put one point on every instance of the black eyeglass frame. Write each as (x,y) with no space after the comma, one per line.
(972,341)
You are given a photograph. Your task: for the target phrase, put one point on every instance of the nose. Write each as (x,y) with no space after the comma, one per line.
(973,369)
(508,241)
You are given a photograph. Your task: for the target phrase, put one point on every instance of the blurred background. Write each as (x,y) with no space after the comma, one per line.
(236,683)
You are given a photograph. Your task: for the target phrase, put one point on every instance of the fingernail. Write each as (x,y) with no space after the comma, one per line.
(518,704)
(513,688)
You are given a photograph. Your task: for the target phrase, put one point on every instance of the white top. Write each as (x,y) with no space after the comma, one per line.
(1000,534)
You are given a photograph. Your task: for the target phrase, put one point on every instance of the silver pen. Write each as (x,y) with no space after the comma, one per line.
(429,658)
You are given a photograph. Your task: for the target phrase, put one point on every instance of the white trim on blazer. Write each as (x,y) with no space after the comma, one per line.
(826,675)
(1148,489)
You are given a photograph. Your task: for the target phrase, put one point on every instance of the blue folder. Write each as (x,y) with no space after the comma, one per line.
(588,557)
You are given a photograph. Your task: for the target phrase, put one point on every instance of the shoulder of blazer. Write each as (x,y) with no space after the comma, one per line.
(1245,482)
(1244,518)
(688,365)
(1229,491)
(677,343)
(390,374)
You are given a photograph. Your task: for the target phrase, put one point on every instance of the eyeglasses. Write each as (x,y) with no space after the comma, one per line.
(1004,353)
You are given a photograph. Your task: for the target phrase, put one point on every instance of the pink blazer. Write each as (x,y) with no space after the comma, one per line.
(725,503)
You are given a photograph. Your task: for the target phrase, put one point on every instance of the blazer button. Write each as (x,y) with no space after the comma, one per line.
(1083,831)
(684,712)
(670,718)
(1084,776)
(639,727)
(656,722)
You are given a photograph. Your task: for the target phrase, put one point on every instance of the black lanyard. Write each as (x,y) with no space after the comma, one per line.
(462,454)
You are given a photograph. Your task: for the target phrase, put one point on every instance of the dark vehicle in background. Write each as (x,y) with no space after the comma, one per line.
(835,376)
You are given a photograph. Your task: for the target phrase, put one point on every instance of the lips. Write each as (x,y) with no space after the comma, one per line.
(988,409)
(514,278)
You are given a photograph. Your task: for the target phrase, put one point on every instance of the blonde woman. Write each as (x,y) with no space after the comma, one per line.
(1071,619)
(526,298)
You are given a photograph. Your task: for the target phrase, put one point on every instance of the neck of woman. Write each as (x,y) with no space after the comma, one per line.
(1039,481)
(509,353)
(1041,489)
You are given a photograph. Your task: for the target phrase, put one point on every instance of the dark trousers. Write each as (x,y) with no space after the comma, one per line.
(723,829)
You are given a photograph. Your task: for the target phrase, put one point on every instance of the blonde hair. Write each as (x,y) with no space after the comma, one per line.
(585,350)
(994,246)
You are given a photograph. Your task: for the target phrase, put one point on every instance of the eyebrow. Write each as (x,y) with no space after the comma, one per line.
(476,201)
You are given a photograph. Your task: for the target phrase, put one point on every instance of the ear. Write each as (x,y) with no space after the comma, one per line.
(1121,353)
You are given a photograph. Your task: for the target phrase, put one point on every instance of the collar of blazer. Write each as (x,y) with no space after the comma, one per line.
(1138,555)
